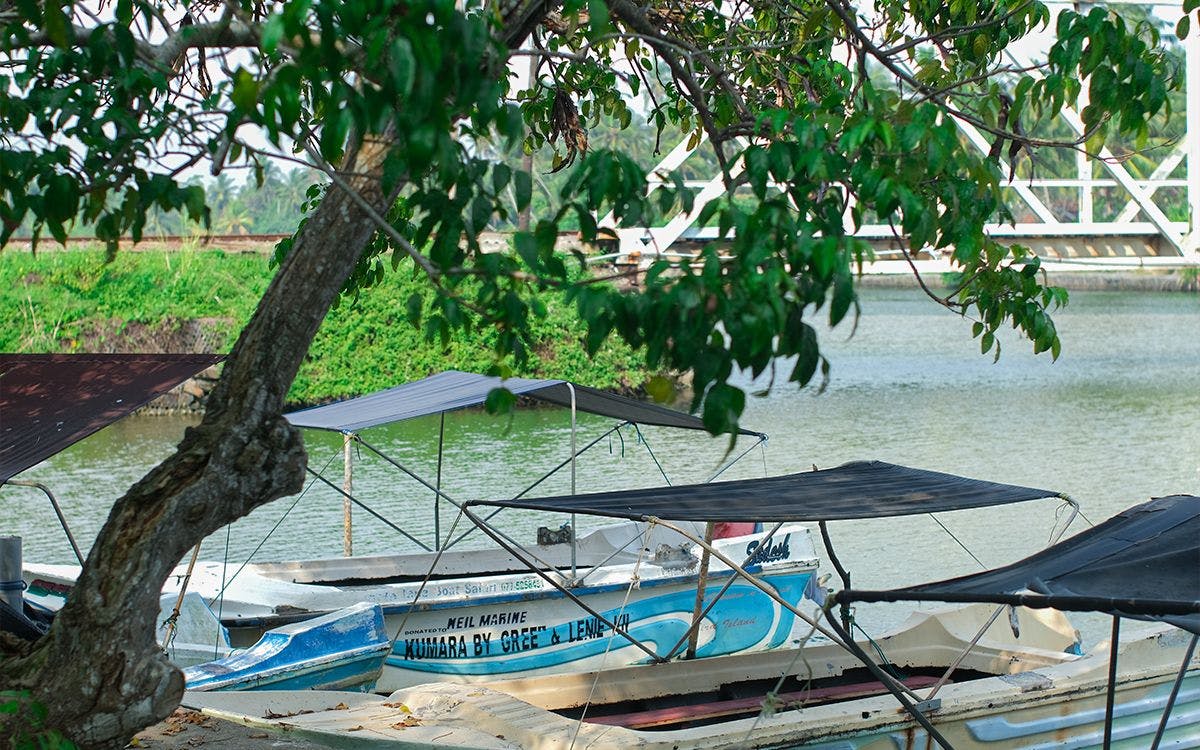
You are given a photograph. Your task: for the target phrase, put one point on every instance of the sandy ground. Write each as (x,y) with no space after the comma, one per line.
(189,729)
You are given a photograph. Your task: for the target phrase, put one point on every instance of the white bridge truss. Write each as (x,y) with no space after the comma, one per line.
(1067,220)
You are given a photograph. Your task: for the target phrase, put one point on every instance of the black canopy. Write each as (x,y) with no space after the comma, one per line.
(1142,563)
(451,390)
(50,401)
(861,489)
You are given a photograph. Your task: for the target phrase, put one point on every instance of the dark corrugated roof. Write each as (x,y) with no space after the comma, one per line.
(450,390)
(1142,563)
(861,489)
(49,401)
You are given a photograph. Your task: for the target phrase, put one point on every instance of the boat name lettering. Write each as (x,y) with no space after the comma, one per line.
(593,627)
(435,647)
(487,619)
(760,553)
(524,639)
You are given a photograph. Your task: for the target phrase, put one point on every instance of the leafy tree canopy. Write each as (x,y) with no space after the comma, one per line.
(825,115)
(820,115)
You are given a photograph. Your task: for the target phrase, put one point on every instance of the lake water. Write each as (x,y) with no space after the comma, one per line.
(1115,421)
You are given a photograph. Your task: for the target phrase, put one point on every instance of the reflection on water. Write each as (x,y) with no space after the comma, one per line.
(1115,421)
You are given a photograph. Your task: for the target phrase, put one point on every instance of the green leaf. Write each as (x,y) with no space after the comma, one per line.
(1183,27)
(402,66)
(55,22)
(500,401)
(660,389)
(523,187)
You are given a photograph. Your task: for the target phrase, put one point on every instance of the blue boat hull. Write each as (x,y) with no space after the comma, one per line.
(343,650)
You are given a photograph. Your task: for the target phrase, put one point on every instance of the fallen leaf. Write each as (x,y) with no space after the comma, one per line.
(358,728)
(340,707)
(406,722)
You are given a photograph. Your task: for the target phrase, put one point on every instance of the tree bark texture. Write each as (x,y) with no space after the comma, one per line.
(99,671)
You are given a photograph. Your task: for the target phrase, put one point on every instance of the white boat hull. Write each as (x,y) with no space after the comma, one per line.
(1048,701)
(469,626)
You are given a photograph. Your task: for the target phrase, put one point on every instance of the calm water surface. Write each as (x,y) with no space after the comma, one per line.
(1115,421)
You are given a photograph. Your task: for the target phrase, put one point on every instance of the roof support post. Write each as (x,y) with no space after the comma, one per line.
(1183,670)
(1110,699)
(348,489)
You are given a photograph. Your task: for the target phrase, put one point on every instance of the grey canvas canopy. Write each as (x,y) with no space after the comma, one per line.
(860,489)
(1143,563)
(450,390)
(50,401)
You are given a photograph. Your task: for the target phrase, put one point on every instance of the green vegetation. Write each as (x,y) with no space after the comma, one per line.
(28,718)
(199,299)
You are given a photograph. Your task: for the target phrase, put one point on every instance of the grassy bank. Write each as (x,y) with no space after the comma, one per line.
(198,300)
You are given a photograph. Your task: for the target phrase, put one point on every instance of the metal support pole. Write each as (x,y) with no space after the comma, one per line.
(57,511)
(1183,670)
(348,490)
(11,582)
(574,535)
(1112,682)
(843,608)
(437,515)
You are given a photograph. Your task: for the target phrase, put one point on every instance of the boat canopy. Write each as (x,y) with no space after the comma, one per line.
(1143,563)
(50,401)
(860,489)
(450,390)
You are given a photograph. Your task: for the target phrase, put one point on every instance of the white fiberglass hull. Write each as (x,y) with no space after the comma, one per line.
(1039,702)
(468,627)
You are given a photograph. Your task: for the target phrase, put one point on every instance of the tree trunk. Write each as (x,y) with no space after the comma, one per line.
(99,671)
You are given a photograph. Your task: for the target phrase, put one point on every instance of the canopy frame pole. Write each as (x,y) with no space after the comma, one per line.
(62,519)
(408,471)
(962,655)
(945,678)
(653,457)
(843,607)
(574,527)
(694,629)
(891,683)
(1183,670)
(437,491)
(741,571)
(1110,698)
(368,509)
(544,477)
(698,610)
(614,553)
(761,439)
(1075,510)
(348,487)
(516,551)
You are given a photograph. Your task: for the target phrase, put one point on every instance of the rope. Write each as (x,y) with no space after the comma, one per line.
(634,579)
(959,541)
(643,441)
(221,602)
(766,710)
(224,585)
(421,589)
